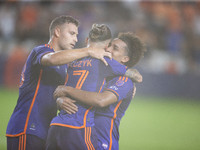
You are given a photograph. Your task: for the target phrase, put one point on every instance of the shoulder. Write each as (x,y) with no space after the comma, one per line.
(121,80)
(41,50)
(120,86)
(43,47)
(120,83)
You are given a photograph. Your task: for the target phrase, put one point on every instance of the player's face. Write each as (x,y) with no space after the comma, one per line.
(68,36)
(117,49)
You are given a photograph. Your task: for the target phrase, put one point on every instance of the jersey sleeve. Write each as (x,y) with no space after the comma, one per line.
(114,68)
(121,86)
(39,53)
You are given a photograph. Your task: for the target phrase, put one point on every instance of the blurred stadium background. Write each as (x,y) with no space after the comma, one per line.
(169,95)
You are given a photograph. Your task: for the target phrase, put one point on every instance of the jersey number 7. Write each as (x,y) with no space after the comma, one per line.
(83,75)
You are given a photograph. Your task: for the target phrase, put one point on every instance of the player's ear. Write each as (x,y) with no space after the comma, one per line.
(86,40)
(57,32)
(125,59)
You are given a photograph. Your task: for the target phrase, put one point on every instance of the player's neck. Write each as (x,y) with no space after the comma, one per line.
(53,45)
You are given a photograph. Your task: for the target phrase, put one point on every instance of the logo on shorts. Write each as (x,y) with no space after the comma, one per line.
(32,126)
(105,145)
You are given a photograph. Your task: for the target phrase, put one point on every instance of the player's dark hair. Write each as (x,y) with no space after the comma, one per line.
(134,46)
(58,21)
(99,32)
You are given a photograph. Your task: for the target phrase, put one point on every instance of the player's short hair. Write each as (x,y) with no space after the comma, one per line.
(58,21)
(134,46)
(99,33)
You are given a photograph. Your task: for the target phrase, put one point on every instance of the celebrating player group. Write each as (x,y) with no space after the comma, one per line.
(91,86)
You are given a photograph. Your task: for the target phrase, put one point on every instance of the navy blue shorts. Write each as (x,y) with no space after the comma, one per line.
(25,142)
(64,138)
(105,145)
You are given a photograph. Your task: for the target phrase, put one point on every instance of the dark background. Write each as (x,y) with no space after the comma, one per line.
(170,30)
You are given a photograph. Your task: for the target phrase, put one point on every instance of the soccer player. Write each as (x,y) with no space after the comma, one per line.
(76,131)
(114,99)
(43,71)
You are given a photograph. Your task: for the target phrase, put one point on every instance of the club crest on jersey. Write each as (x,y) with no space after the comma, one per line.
(120,83)
(105,145)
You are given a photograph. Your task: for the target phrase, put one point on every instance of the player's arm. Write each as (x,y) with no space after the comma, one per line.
(117,69)
(67,56)
(134,91)
(91,98)
(134,75)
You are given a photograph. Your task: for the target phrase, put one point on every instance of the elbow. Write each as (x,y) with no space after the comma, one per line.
(140,79)
(99,103)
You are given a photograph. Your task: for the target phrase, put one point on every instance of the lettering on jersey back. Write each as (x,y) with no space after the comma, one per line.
(85,63)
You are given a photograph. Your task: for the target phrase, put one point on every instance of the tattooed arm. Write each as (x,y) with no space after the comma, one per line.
(134,75)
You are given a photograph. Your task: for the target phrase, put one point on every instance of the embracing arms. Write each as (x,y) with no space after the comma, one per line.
(66,56)
(62,94)
(91,98)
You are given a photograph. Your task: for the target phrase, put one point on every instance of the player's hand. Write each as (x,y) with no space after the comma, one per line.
(134,75)
(67,105)
(100,54)
(60,91)
(134,91)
